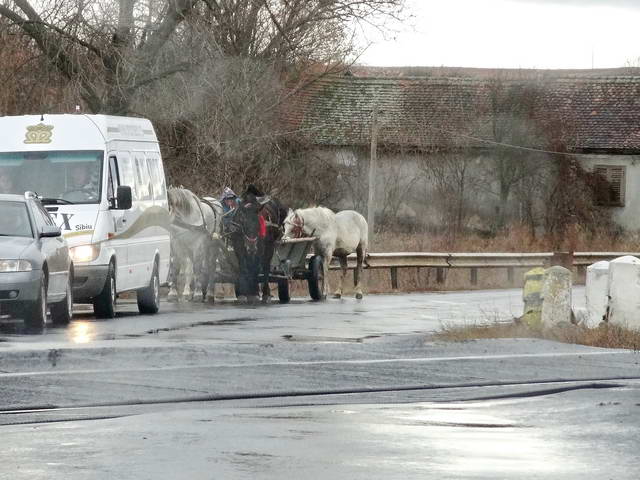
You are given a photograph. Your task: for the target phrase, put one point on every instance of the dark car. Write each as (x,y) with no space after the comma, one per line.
(36,272)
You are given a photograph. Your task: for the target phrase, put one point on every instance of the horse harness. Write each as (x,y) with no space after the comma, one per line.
(298,225)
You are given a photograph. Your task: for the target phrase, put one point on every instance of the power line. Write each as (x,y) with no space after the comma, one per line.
(517,147)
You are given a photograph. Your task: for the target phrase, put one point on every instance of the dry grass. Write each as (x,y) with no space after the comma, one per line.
(605,336)
(515,239)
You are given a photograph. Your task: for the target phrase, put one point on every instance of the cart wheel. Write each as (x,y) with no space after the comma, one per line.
(283,291)
(316,278)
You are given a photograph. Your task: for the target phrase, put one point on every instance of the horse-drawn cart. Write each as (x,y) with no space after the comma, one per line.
(289,262)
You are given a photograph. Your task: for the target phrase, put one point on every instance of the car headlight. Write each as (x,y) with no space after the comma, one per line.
(15,266)
(84,253)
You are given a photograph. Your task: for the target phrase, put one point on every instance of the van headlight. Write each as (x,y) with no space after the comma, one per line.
(84,253)
(15,266)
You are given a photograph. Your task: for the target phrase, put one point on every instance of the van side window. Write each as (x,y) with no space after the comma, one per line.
(157,177)
(143,182)
(127,177)
(113,182)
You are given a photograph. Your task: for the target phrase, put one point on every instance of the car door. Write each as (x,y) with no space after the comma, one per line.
(55,252)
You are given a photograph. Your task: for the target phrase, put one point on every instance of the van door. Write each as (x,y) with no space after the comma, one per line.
(118,239)
(162,242)
(142,247)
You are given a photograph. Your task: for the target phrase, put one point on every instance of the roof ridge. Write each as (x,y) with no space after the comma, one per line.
(480,81)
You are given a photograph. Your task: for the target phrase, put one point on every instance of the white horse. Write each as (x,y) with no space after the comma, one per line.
(338,235)
(195,228)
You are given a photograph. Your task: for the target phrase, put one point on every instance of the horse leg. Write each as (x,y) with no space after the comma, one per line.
(200,273)
(360,254)
(211,266)
(174,275)
(189,280)
(327,256)
(266,269)
(343,274)
(253,289)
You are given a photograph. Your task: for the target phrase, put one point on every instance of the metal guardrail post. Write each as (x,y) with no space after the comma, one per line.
(441,262)
(394,278)
(474,276)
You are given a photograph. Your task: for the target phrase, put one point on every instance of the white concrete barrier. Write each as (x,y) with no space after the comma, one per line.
(597,293)
(556,297)
(624,292)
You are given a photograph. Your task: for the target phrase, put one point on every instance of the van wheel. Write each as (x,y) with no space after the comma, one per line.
(104,304)
(35,318)
(149,297)
(62,312)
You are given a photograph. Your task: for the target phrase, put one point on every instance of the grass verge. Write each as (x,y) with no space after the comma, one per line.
(604,336)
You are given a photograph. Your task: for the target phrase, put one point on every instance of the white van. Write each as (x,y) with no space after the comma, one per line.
(102,180)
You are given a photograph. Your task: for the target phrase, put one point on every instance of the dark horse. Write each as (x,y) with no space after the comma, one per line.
(273,213)
(244,232)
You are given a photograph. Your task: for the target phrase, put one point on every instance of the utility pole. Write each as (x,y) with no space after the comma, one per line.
(372,174)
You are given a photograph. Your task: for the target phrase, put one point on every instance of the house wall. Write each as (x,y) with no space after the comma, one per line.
(627,216)
(404,191)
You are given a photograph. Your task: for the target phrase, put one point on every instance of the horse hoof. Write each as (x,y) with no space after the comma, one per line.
(358,296)
(252,299)
(337,295)
(266,299)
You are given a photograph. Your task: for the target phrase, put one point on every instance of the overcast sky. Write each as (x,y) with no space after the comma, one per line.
(512,34)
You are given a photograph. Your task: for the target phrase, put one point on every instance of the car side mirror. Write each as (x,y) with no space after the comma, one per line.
(124,198)
(50,231)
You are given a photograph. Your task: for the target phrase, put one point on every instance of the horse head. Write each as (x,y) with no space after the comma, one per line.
(293,225)
(246,222)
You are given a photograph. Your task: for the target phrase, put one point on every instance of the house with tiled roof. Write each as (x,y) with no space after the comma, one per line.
(592,118)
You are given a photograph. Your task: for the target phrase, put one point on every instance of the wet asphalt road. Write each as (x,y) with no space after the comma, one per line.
(343,389)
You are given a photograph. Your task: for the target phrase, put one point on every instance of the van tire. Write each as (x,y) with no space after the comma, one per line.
(149,297)
(104,304)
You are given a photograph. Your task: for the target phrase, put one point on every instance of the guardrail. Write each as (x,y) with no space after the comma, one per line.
(473,261)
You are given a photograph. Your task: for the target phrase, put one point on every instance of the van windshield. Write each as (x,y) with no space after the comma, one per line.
(60,176)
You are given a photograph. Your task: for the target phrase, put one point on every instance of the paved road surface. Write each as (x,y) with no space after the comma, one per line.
(343,389)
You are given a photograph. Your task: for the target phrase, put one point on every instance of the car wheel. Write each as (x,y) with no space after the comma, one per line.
(149,297)
(62,312)
(104,304)
(35,317)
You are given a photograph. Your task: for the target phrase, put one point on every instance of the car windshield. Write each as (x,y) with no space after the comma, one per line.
(65,176)
(14,220)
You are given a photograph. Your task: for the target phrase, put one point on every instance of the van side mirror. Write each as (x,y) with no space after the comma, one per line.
(50,231)
(123,198)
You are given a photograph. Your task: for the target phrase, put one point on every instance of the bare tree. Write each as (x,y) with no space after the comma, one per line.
(511,124)
(452,184)
(111,49)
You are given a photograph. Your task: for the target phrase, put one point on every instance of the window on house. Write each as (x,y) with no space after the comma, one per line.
(610,188)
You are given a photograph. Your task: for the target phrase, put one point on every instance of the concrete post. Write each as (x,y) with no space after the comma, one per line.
(532,296)
(556,297)
(597,293)
(624,292)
